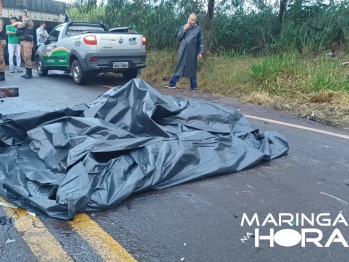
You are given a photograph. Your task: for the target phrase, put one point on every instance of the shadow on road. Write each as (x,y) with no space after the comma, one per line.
(101,79)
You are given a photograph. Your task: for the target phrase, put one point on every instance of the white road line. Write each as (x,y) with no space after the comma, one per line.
(298,126)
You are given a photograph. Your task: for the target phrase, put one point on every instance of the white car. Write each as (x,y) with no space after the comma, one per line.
(87,48)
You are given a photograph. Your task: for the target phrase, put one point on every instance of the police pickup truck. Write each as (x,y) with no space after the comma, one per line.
(86,48)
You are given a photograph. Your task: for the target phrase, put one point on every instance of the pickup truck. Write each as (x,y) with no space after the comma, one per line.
(86,48)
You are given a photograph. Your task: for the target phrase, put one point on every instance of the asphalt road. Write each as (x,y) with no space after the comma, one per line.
(199,221)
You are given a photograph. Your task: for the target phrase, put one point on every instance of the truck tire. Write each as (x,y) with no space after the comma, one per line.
(40,67)
(130,74)
(79,76)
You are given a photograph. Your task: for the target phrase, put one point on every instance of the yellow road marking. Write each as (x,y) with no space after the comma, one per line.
(41,242)
(298,126)
(99,240)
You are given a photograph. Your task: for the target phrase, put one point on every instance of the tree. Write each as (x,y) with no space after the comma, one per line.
(283,4)
(210,13)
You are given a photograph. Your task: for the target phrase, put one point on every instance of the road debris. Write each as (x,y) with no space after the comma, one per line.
(332,206)
(9,92)
(9,241)
(321,184)
(260,174)
(32,214)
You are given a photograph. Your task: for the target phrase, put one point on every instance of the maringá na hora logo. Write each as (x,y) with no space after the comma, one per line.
(306,229)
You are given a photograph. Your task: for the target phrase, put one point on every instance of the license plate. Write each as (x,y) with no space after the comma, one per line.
(120,64)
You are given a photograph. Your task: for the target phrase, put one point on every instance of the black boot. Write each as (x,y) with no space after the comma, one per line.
(26,73)
(29,75)
(2,76)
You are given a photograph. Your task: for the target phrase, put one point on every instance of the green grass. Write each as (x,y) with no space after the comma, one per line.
(306,75)
(287,81)
(234,75)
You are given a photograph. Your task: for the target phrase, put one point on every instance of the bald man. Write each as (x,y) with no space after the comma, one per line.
(191,37)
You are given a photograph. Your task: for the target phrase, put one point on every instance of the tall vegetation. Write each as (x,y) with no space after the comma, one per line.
(306,26)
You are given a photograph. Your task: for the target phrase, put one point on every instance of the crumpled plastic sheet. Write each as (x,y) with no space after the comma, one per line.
(130,139)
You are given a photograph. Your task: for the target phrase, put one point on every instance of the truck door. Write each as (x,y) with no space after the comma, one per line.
(56,52)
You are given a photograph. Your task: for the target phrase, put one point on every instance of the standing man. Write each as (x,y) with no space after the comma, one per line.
(191,37)
(41,33)
(26,41)
(13,46)
(2,47)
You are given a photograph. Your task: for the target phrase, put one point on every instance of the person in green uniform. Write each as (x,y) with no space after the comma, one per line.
(13,46)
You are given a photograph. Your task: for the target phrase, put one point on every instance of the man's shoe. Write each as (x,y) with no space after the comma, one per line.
(12,71)
(26,73)
(29,75)
(19,70)
(194,89)
(2,76)
(172,87)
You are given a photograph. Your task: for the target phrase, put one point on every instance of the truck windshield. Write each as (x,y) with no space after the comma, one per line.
(78,29)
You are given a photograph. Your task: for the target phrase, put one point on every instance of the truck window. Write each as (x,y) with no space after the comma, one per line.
(80,29)
(53,37)
(120,29)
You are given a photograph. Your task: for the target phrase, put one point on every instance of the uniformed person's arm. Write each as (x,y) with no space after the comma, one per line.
(1,26)
(21,24)
(201,43)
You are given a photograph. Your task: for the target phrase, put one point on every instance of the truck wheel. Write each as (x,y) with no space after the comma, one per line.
(130,74)
(40,67)
(78,74)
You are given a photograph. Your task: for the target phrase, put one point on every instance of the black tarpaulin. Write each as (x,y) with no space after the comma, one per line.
(131,139)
